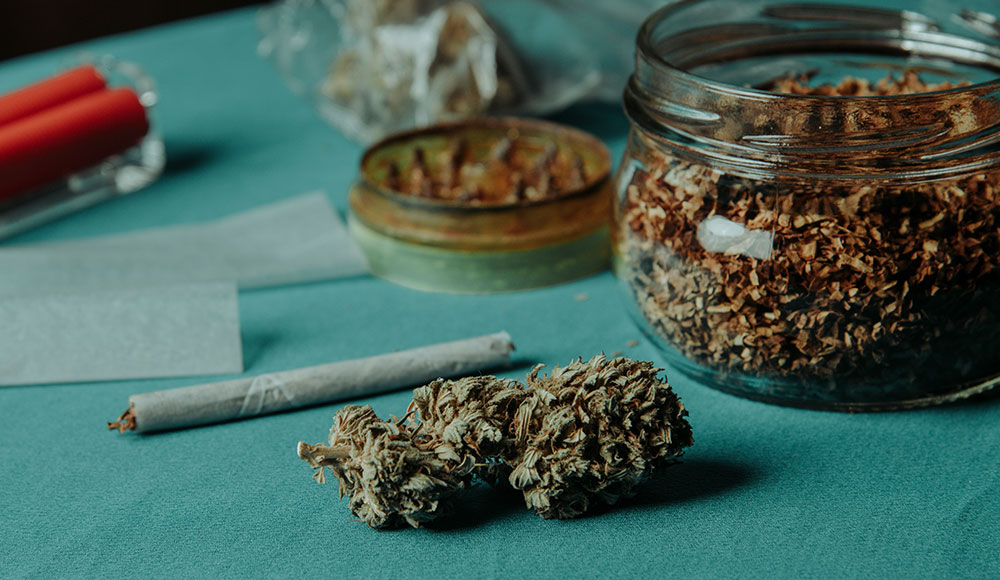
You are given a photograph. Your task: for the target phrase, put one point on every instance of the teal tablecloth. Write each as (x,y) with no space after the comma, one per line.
(765,492)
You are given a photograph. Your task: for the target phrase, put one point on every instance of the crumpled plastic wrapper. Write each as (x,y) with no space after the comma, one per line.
(373,67)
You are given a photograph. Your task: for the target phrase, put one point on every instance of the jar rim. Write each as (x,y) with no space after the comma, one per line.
(646,51)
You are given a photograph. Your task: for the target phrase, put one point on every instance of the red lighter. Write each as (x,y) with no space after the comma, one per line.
(72,141)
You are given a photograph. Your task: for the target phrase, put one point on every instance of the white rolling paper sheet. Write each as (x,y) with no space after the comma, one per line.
(101,335)
(299,239)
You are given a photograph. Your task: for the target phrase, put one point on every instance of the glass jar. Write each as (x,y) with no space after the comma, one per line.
(794,226)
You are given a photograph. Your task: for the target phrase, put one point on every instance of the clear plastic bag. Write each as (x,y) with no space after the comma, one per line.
(372,67)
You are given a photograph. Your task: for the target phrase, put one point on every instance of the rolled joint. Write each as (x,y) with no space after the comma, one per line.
(125,422)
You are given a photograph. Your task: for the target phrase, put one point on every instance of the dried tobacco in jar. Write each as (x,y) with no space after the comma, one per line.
(808,211)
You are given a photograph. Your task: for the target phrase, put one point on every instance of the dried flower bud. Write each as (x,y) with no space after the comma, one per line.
(390,471)
(470,414)
(593,430)
(588,430)
(471,417)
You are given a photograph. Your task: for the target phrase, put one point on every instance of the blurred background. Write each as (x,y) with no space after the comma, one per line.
(29,26)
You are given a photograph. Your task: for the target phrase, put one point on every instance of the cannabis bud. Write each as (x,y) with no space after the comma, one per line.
(591,431)
(472,416)
(390,472)
(587,431)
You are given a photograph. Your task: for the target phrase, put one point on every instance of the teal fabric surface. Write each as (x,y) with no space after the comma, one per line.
(765,491)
